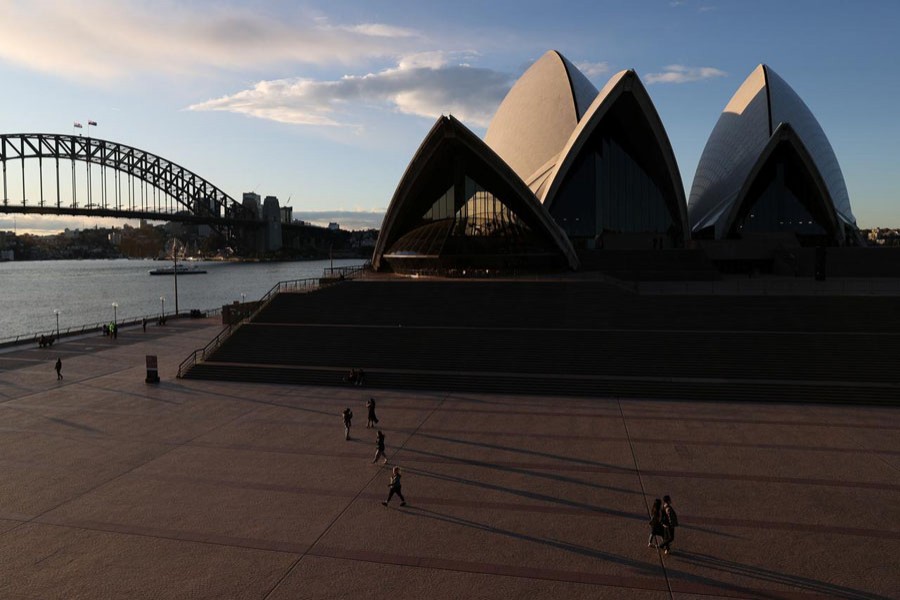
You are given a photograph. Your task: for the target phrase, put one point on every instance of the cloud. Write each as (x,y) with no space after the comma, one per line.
(682,74)
(104,40)
(424,84)
(593,69)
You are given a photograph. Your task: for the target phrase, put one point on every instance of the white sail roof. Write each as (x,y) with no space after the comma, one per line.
(538,115)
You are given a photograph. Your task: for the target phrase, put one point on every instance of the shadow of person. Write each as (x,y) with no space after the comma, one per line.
(763,574)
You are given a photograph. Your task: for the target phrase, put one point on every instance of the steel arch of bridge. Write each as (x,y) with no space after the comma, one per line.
(176,194)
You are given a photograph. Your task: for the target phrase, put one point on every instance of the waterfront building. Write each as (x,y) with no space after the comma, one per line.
(271,214)
(598,166)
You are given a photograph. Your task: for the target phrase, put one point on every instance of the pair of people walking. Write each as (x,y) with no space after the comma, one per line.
(663,522)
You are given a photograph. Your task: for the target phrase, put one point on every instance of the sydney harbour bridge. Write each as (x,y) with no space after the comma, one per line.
(58,174)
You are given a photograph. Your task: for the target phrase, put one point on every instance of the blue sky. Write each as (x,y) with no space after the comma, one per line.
(324,103)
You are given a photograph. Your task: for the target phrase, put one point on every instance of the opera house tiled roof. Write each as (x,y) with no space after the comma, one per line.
(741,166)
(563,167)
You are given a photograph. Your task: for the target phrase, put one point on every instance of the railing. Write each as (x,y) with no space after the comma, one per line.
(347,272)
(292,285)
(28,338)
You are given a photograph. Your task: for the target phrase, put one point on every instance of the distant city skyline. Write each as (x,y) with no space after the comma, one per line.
(324,104)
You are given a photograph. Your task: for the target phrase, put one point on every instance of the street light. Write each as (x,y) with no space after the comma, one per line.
(162,307)
(242,297)
(115,306)
(56,312)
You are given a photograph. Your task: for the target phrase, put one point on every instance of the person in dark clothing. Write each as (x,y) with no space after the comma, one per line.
(379,447)
(395,488)
(58,368)
(348,417)
(669,523)
(656,528)
(360,376)
(372,420)
(144,323)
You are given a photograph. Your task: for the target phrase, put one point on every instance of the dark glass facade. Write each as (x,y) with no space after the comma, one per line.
(618,182)
(459,208)
(467,220)
(784,197)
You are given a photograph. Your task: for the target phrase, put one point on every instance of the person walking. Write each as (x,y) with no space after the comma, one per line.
(669,523)
(58,368)
(372,420)
(656,528)
(394,487)
(379,447)
(348,417)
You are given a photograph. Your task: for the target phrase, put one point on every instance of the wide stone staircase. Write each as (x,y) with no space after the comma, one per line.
(570,338)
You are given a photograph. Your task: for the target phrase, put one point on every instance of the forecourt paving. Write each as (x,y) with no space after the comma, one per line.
(112,488)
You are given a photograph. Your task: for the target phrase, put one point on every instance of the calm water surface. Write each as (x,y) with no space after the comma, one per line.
(83,290)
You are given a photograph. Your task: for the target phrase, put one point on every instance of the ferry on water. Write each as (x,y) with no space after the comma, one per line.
(179,269)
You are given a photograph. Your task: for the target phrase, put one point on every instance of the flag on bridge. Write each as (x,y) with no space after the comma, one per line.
(77,125)
(94,123)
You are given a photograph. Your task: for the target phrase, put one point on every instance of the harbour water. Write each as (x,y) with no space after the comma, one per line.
(83,291)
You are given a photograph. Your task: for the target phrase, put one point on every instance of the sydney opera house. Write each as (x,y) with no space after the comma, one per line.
(566,171)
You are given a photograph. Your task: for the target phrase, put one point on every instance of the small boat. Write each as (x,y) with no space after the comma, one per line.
(179,269)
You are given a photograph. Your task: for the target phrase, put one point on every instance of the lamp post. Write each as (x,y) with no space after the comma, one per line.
(56,312)
(242,297)
(162,307)
(115,306)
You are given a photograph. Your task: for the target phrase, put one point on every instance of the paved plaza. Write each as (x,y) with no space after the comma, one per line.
(112,488)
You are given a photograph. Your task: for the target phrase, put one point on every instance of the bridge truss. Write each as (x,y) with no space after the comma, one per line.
(74,175)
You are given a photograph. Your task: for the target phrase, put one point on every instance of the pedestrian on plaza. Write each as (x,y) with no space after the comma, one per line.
(656,528)
(144,323)
(58,368)
(669,523)
(395,488)
(348,417)
(379,447)
(372,419)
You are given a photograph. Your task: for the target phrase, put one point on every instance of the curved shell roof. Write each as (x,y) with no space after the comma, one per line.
(539,113)
(743,130)
(448,131)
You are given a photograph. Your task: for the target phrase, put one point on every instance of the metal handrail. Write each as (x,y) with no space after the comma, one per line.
(347,272)
(308,283)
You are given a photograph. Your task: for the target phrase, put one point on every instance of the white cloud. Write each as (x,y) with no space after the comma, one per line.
(682,74)
(110,39)
(593,69)
(423,84)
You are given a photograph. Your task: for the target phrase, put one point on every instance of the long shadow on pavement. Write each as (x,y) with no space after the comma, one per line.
(645,568)
(763,574)
(527,494)
(582,461)
(523,471)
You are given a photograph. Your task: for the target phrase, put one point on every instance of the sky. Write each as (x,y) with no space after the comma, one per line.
(323,104)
